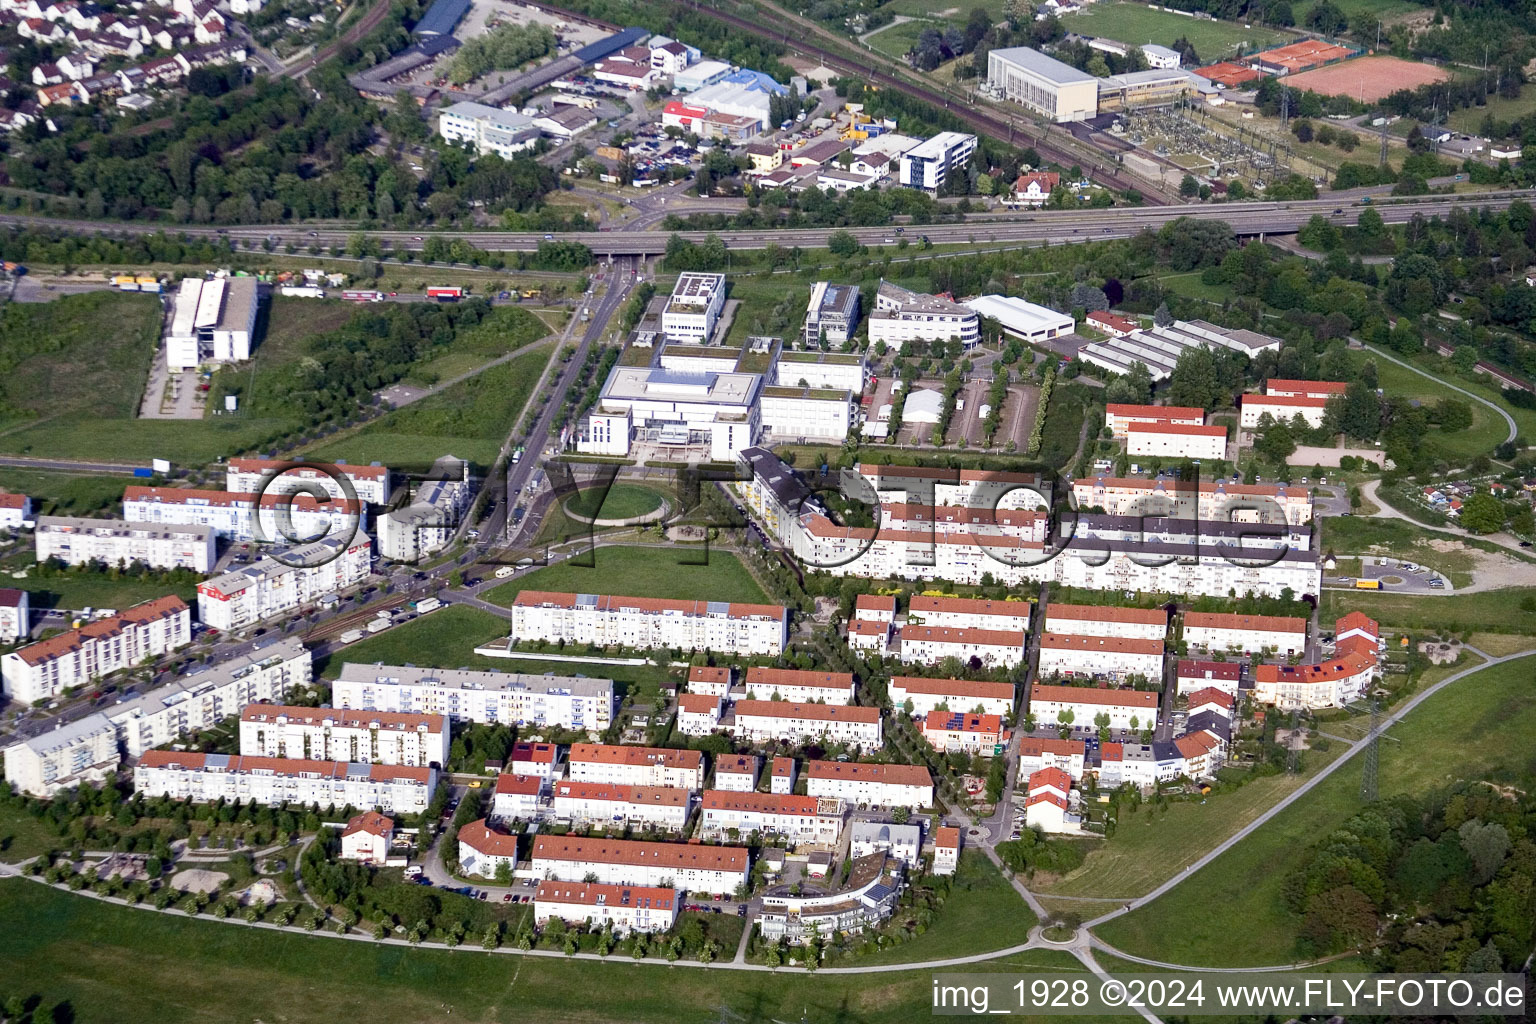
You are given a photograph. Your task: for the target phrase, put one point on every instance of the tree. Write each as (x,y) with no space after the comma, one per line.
(1486,845)
(842,243)
(1091,299)
(1483,513)
(1161,317)
(1195,381)
(1453,414)
(1302,129)
(1189,187)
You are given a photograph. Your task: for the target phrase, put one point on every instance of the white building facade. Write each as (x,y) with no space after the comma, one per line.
(76,541)
(467,695)
(332,734)
(47,668)
(648,623)
(279,585)
(205,778)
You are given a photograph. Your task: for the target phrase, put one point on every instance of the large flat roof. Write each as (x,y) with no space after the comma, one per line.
(650,383)
(1033,60)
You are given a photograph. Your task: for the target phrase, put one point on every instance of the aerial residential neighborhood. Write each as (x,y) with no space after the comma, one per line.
(602,511)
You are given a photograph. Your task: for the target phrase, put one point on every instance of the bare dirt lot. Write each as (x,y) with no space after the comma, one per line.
(1368,79)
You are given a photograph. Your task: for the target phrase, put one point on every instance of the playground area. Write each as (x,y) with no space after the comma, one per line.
(1368,79)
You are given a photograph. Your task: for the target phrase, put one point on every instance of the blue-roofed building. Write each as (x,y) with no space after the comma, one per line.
(756,80)
(441,18)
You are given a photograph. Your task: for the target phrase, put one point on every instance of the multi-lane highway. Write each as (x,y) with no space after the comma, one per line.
(1025,227)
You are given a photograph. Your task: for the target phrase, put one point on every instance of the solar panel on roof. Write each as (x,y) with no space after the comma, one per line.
(718,607)
(217,761)
(359,771)
(586,600)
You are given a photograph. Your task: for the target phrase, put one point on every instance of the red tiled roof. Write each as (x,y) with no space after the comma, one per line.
(947,837)
(1285,401)
(1230,671)
(1093,695)
(761,803)
(960,635)
(1052,776)
(395,721)
(518,785)
(1031,746)
(1106,613)
(950,721)
(139,615)
(597,894)
(1212,695)
(1186,429)
(649,796)
(759,676)
(808,712)
(1329,387)
(923,605)
(1247,623)
(698,703)
(612,754)
(282,766)
(954,687)
(1116,644)
(1159,412)
(371,822)
(708,674)
(478,837)
(633,852)
(882,774)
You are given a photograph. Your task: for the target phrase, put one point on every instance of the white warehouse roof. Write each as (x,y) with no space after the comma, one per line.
(1019,315)
(1031,59)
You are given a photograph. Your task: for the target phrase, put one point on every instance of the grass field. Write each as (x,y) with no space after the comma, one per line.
(507,329)
(1478,727)
(1488,429)
(897,40)
(1149,847)
(644,572)
(94,590)
(1437,367)
(470,419)
(623,501)
(1135,24)
(982,913)
(64,494)
(1362,535)
(1506,610)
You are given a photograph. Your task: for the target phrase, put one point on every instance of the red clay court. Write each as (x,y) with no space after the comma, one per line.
(1368,79)
(1298,57)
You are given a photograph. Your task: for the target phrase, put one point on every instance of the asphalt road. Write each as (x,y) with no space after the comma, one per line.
(1034,226)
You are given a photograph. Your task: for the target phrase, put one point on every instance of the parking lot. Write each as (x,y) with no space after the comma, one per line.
(1400,577)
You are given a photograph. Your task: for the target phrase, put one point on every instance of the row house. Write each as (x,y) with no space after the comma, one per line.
(799,687)
(873,785)
(1118,417)
(208,695)
(1331,684)
(952,731)
(532,758)
(762,721)
(1194,674)
(1212,699)
(918,696)
(929,645)
(1036,752)
(648,623)
(207,778)
(691,866)
(520,797)
(66,94)
(280,586)
(1127,709)
(1221,631)
(737,773)
(1107,656)
(874,608)
(698,714)
(1205,499)
(870,636)
(336,734)
(969,612)
(45,669)
(713,680)
(781,775)
(796,819)
(637,766)
(1104,620)
(476,695)
(615,805)
(621,908)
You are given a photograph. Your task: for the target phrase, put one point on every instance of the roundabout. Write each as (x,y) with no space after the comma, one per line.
(623,505)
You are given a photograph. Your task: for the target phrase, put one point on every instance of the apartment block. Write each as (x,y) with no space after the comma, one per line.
(275,476)
(15,614)
(1277,387)
(1221,631)
(1118,417)
(338,734)
(969,612)
(797,819)
(614,804)
(77,541)
(903,842)
(690,866)
(465,695)
(1104,620)
(1036,753)
(1177,441)
(870,636)
(1209,500)
(925,695)
(45,669)
(870,785)
(530,758)
(868,897)
(208,695)
(713,680)
(956,731)
(281,585)
(623,908)
(1281,409)
(1193,674)
(972,488)
(1046,704)
(1331,684)
(901,316)
(429,520)
(204,778)
(782,775)
(946,850)
(239,517)
(637,766)
(929,645)
(759,721)
(81,752)
(799,687)
(646,623)
(520,798)
(1111,657)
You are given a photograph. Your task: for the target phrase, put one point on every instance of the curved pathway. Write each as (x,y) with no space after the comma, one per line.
(1384,511)
(1508,419)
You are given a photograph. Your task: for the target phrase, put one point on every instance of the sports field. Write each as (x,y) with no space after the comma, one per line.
(1368,79)
(1136,24)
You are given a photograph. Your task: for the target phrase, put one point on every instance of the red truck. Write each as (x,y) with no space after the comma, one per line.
(445,294)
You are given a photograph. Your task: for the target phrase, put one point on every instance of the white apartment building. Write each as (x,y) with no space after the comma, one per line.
(1176,441)
(1331,684)
(430,519)
(45,669)
(737,773)
(928,165)
(799,687)
(1114,657)
(488,129)
(925,695)
(1225,676)
(1221,631)
(871,636)
(776,496)
(960,521)
(337,734)
(277,586)
(713,680)
(613,804)
(623,908)
(875,608)
(868,897)
(275,476)
(210,322)
(76,541)
(985,489)
(1118,417)
(929,645)
(15,509)
(1043,84)
(234,516)
(15,614)
(1036,753)
(367,838)
(1282,409)
(781,775)
(1324,389)
(923,610)
(759,721)
(530,758)
(901,316)
(837,371)
(797,819)
(205,778)
(697,868)
(792,411)
(698,714)
(636,766)
(208,695)
(694,306)
(1085,703)
(834,309)
(77,753)
(646,623)
(466,695)
(904,842)
(952,731)
(1212,500)
(520,797)
(946,850)
(870,785)
(1104,620)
